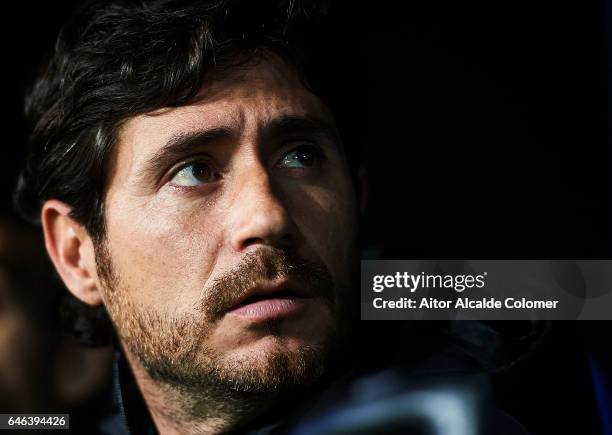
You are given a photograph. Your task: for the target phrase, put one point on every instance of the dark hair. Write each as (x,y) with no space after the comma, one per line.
(118,59)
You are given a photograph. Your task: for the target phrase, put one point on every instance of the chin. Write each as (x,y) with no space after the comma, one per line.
(271,344)
(274,364)
(283,348)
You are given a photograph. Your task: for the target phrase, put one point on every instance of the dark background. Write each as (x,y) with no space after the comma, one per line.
(490,125)
(486,131)
(486,128)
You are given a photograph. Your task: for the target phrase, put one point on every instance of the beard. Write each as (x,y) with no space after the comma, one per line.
(174,350)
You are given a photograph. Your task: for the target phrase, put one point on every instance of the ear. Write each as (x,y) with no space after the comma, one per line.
(71,250)
(363,187)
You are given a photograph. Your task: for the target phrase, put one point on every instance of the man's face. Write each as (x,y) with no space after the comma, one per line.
(230,234)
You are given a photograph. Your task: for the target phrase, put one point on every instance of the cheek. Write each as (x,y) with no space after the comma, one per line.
(326,219)
(163,251)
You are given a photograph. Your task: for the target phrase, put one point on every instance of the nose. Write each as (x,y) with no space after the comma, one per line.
(258,216)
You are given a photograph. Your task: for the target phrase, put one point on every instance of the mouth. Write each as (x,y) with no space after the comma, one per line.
(270,302)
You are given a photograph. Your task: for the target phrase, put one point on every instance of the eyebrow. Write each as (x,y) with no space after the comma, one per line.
(183,143)
(180,144)
(300,125)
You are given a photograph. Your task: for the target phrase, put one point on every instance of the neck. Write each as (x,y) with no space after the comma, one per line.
(178,411)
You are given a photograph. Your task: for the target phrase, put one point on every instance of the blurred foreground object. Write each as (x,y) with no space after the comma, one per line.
(41,369)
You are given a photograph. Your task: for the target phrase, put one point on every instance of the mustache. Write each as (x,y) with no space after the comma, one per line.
(263,265)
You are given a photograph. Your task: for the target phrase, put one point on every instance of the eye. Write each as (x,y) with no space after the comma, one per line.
(304,156)
(193,174)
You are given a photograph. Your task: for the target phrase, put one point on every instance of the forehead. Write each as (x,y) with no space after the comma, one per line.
(248,96)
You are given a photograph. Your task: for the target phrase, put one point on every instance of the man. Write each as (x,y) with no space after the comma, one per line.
(194,186)
(189,181)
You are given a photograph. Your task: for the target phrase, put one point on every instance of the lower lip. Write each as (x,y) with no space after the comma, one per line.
(269,309)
